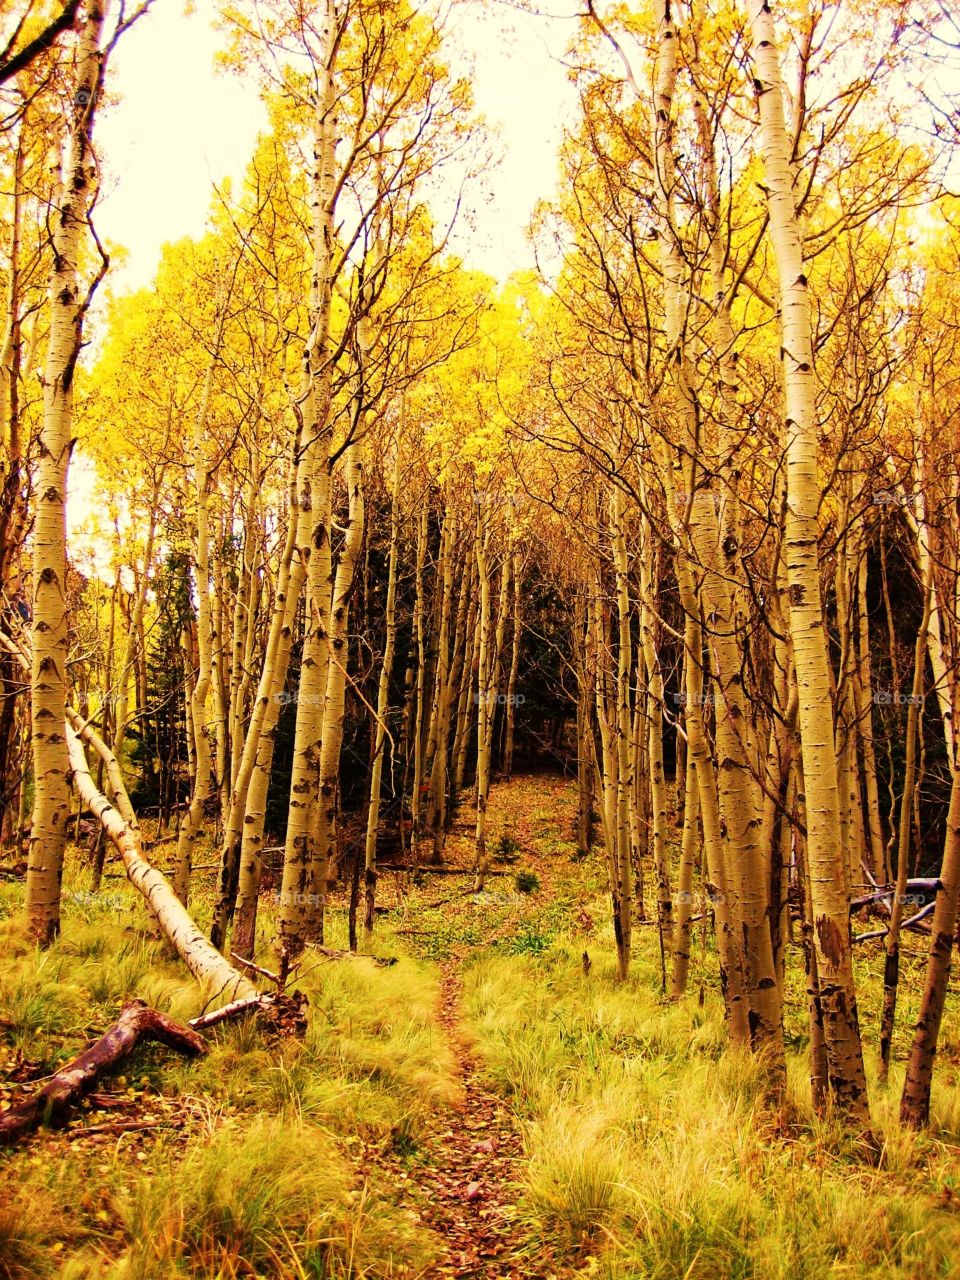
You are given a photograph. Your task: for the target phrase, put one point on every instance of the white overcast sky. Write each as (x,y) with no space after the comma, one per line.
(179,127)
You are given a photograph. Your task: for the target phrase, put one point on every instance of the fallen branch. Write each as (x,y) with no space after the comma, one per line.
(278,979)
(232,1010)
(907,924)
(924,884)
(119,1126)
(330,953)
(436,871)
(50,1105)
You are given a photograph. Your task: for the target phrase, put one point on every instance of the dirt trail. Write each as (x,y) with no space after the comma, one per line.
(462,1181)
(470,1166)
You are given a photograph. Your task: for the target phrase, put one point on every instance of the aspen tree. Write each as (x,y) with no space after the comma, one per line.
(383,703)
(314,484)
(243,627)
(485,695)
(466,702)
(944,674)
(419,691)
(515,644)
(70,210)
(655,695)
(219,643)
(615,835)
(322,868)
(915,1099)
(239,880)
(585,742)
(436,748)
(261,740)
(127,666)
(191,826)
(827,891)
(738,793)
(693,641)
(865,722)
(891,968)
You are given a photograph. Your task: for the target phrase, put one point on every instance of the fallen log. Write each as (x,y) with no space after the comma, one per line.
(435,871)
(924,884)
(203,959)
(52,1103)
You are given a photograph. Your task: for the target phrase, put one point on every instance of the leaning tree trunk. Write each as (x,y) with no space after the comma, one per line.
(915,1101)
(831,928)
(383,707)
(202,959)
(48,685)
(891,968)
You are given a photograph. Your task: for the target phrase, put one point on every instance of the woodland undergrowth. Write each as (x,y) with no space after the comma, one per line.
(649,1151)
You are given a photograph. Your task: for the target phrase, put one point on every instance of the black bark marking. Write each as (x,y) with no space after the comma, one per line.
(831,943)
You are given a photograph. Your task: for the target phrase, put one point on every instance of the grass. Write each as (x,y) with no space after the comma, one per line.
(273,1197)
(650,1155)
(527,882)
(21,1244)
(650,1152)
(255,1168)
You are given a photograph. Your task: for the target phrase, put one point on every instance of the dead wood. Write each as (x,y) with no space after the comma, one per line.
(51,1104)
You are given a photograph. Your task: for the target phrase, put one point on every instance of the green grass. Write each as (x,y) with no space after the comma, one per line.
(256,1169)
(527,882)
(650,1154)
(274,1197)
(650,1149)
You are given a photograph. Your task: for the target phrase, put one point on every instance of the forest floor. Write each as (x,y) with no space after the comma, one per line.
(489,1105)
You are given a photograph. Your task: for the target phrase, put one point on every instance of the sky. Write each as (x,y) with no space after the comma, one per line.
(179,127)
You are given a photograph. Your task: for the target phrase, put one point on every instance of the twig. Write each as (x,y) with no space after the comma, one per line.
(119,1126)
(256,968)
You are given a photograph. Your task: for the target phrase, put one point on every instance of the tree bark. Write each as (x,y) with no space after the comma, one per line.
(915,1100)
(827,890)
(203,960)
(48,686)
